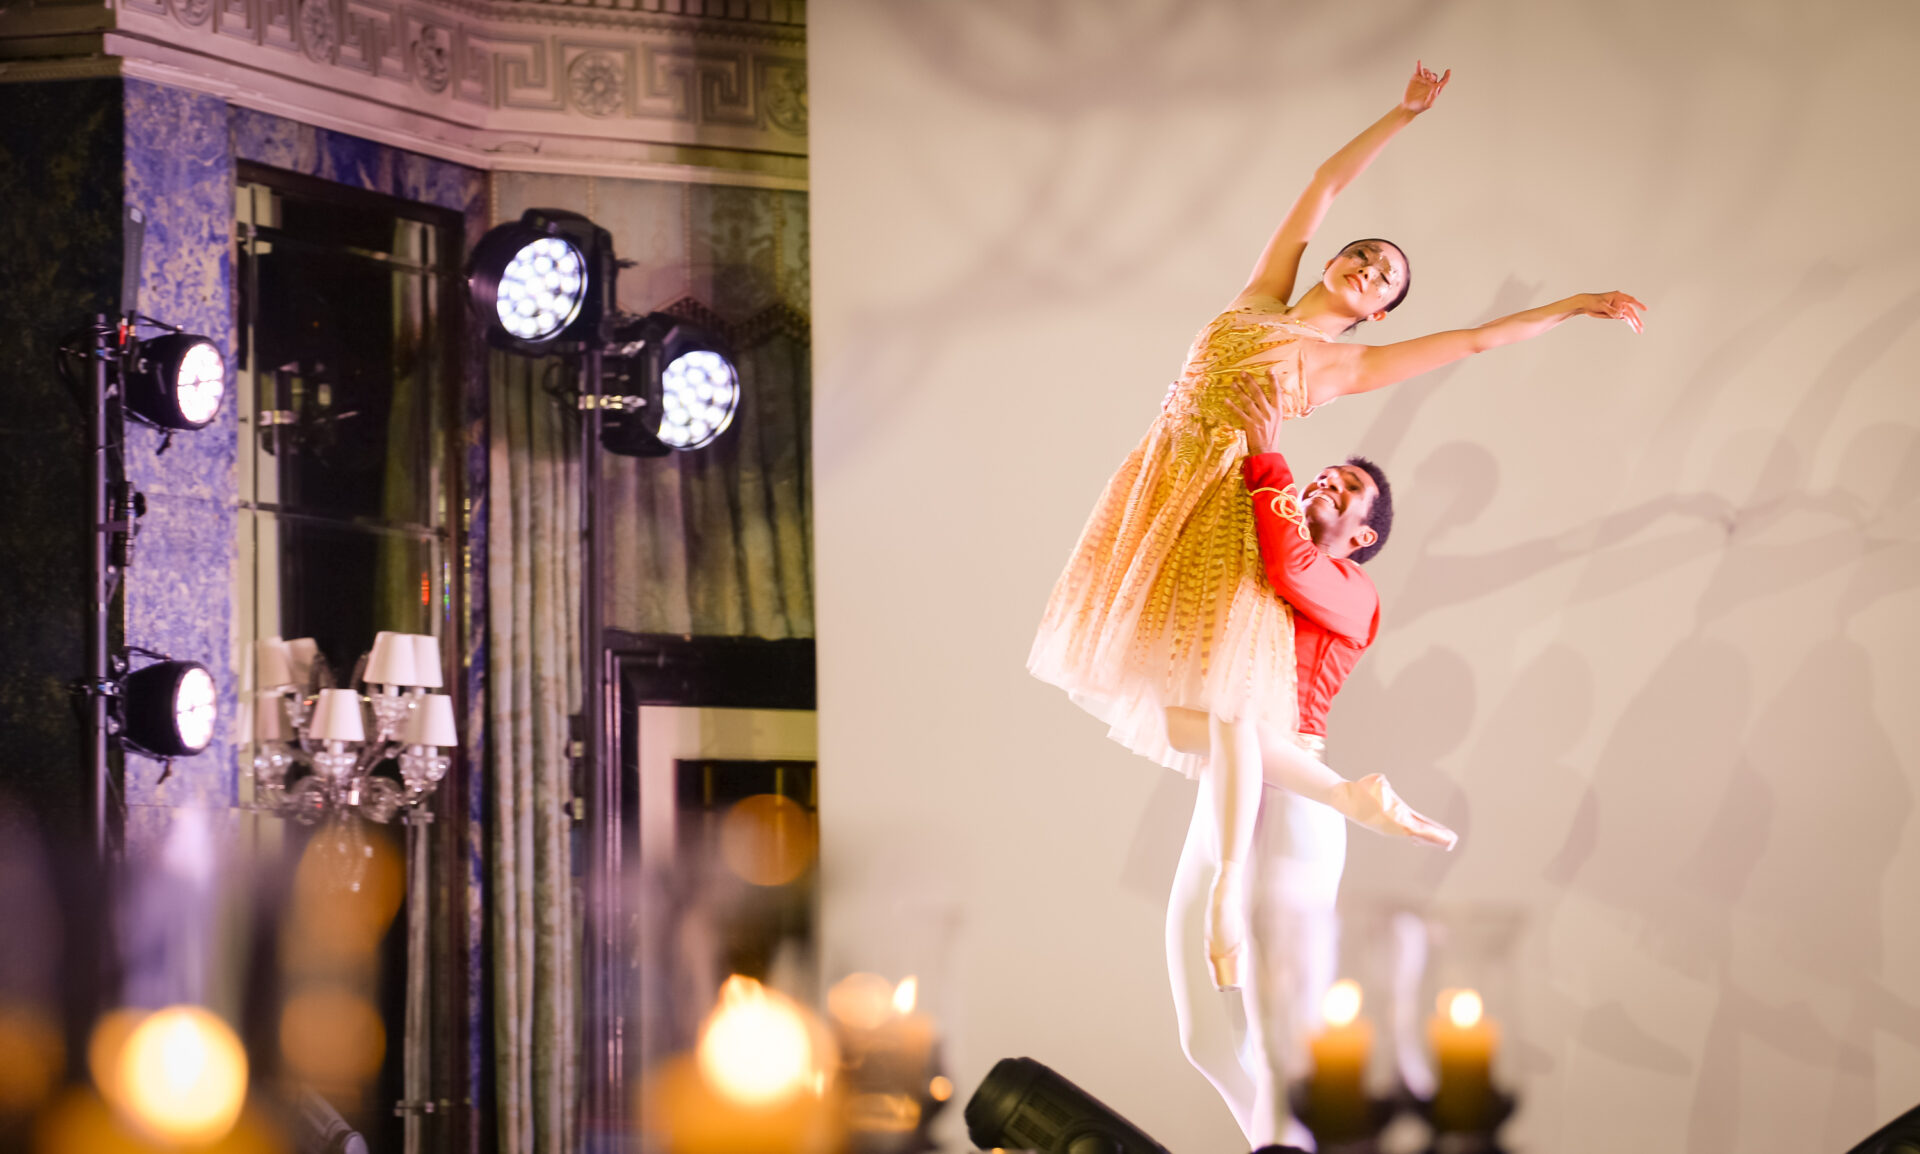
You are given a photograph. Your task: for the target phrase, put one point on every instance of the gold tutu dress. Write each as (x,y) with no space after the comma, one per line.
(1164,601)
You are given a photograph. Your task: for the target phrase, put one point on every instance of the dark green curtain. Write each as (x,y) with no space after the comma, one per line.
(533,686)
(717,542)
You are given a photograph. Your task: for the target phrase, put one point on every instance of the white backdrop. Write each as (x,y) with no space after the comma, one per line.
(1650,604)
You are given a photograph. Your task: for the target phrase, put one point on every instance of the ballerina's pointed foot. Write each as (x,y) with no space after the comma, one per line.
(1371,802)
(1225,932)
(1226,968)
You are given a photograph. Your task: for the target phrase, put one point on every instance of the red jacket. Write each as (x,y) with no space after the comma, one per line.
(1336,608)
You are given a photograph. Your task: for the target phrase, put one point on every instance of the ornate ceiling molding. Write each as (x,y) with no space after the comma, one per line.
(714,91)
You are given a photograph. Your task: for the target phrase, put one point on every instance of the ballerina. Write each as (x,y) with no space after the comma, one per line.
(1162,624)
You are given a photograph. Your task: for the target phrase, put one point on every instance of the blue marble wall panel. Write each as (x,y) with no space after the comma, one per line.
(359,163)
(179,172)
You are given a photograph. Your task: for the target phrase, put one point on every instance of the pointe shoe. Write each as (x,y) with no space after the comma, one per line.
(1225,969)
(1226,910)
(1371,802)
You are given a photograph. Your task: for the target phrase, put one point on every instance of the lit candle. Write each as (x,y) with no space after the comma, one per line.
(761,1079)
(1463,1042)
(890,1057)
(1337,1096)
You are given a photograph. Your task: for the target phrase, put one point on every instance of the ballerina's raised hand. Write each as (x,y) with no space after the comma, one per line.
(1424,88)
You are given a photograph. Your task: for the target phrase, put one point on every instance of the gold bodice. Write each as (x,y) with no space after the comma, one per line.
(1233,346)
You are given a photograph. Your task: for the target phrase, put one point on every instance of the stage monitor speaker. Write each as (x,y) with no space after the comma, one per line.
(1023,1105)
(1900,1136)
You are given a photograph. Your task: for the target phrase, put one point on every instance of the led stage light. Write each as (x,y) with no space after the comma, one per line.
(542,281)
(176,381)
(171,708)
(685,390)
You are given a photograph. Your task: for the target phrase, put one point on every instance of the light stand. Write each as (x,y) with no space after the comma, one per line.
(173,383)
(606,1052)
(545,284)
(534,300)
(120,714)
(111,539)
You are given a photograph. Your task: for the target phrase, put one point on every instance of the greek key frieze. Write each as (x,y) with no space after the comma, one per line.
(742,77)
(374,39)
(240,20)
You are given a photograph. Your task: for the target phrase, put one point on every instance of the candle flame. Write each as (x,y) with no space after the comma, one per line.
(905,994)
(1464,1008)
(1340,1005)
(182,1076)
(755,1049)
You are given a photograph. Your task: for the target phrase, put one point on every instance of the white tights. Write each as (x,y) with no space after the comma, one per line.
(1245,1042)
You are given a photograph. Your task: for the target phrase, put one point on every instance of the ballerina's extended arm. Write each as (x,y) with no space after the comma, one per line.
(1279,263)
(1337,370)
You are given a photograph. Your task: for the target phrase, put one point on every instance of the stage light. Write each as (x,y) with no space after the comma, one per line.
(170,708)
(699,392)
(176,381)
(542,289)
(1023,1105)
(542,281)
(677,389)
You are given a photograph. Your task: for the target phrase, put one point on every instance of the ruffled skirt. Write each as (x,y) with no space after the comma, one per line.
(1164,601)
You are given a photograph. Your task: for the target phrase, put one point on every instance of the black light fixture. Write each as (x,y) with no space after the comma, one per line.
(671,387)
(1900,1136)
(544,282)
(1023,1105)
(169,709)
(177,381)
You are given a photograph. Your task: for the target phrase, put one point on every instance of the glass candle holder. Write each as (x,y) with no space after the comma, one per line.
(1468,991)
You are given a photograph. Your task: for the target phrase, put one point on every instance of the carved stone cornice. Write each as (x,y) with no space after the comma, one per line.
(529,85)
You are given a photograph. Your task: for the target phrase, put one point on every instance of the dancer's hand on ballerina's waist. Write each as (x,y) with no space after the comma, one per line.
(1423,89)
(1259,413)
(1617,306)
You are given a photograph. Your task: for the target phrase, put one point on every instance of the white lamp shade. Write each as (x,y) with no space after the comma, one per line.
(431,722)
(272,664)
(426,662)
(300,654)
(391,662)
(270,717)
(336,717)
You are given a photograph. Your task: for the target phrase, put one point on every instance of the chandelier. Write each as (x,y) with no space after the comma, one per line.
(315,753)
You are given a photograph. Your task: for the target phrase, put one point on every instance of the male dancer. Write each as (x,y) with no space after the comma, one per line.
(1311,548)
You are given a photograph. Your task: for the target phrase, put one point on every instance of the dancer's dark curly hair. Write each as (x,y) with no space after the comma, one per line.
(1380,517)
